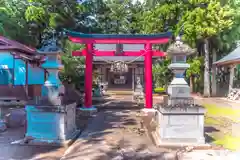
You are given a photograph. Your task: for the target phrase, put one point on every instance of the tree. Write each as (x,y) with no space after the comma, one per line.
(228,39)
(50,17)
(12,22)
(203,23)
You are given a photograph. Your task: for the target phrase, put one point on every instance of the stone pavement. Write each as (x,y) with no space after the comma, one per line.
(117,135)
(210,155)
(17,152)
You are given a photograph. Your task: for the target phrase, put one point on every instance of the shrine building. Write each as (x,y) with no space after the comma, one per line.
(119,80)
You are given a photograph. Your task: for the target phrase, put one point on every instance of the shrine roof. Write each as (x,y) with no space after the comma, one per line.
(231,58)
(114,37)
(19,49)
(7,44)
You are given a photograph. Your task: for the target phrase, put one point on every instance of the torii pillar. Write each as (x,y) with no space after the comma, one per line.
(148,76)
(88,78)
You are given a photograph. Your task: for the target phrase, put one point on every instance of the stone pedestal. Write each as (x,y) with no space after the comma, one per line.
(53,125)
(180,126)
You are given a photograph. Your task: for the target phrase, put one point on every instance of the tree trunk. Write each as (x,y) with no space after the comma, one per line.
(191,84)
(206,91)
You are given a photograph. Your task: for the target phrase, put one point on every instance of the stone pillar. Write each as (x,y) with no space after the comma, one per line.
(148,76)
(231,78)
(214,72)
(88,77)
(214,80)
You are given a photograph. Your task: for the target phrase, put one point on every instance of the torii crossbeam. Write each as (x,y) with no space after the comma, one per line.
(89,51)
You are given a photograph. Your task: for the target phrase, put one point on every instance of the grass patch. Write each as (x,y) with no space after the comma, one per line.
(213,110)
(227,141)
(159,90)
(212,121)
(222,118)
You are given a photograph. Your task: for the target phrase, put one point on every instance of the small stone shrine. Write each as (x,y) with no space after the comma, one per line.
(179,121)
(51,117)
(138,93)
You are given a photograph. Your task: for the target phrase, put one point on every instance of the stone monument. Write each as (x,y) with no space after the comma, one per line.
(179,121)
(51,117)
(138,90)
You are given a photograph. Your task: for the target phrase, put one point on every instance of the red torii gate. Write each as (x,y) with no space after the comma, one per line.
(90,39)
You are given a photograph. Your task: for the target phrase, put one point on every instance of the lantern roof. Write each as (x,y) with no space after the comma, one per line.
(49,47)
(179,48)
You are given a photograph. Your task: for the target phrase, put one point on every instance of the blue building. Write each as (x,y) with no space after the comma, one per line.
(20,76)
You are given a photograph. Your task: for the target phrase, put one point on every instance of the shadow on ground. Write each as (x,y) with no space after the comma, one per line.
(115,132)
(25,152)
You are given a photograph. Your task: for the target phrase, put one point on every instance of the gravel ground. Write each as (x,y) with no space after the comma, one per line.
(17,152)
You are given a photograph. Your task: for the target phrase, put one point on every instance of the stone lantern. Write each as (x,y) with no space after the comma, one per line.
(179,121)
(51,118)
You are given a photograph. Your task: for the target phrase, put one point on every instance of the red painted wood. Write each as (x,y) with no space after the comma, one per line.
(112,53)
(88,77)
(148,76)
(116,41)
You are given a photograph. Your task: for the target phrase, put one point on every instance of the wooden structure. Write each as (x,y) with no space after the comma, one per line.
(89,52)
(19,71)
(232,60)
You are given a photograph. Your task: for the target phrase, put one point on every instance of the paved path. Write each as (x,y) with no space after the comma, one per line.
(114,135)
(17,152)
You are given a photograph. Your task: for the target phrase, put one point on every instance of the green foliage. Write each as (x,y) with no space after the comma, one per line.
(12,22)
(159,90)
(196,65)
(207,21)
(73,66)
(161,74)
(227,39)
(36,13)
